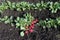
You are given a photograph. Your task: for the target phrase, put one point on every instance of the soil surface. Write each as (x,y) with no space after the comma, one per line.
(7,32)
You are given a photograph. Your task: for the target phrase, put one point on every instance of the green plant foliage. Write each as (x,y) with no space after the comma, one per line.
(54,7)
(58,20)
(22,33)
(7,20)
(49,23)
(41,5)
(22,22)
(22,6)
(3,7)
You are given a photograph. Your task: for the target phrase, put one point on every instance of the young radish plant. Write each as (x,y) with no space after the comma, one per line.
(22,6)
(49,23)
(54,7)
(26,24)
(58,21)
(7,20)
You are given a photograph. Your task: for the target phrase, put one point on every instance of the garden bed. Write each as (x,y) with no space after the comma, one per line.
(8,32)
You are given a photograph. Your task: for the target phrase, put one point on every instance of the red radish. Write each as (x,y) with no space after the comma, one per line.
(31,30)
(34,21)
(26,32)
(32,25)
(26,27)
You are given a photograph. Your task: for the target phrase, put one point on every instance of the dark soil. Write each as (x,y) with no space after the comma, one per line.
(7,32)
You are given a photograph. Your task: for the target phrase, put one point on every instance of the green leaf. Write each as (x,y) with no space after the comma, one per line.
(17,24)
(18,18)
(44,27)
(18,5)
(9,3)
(13,5)
(11,17)
(6,17)
(55,26)
(2,19)
(24,9)
(18,9)
(22,28)
(7,21)
(22,33)
(12,24)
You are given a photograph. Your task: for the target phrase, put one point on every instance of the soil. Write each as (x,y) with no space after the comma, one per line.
(7,32)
